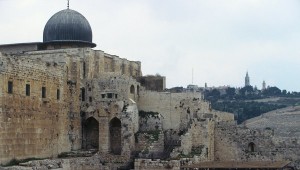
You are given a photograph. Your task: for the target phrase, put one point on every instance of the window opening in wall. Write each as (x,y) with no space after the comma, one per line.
(116,96)
(132,89)
(106,67)
(43,92)
(90,99)
(27,89)
(83,68)
(123,68)
(10,87)
(103,96)
(82,94)
(57,94)
(90,89)
(109,95)
(251,147)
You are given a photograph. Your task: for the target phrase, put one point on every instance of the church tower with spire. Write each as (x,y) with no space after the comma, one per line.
(263,85)
(247,80)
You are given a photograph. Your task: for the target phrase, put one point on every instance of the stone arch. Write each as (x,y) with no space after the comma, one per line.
(115,136)
(91,134)
(251,147)
(132,89)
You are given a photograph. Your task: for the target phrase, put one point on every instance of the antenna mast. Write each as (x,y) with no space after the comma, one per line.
(68,4)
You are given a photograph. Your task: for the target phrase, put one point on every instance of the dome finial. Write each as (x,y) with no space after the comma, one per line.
(68,4)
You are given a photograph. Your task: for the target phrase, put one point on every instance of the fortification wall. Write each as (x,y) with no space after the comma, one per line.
(93,63)
(153,83)
(107,63)
(32,125)
(239,143)
(167,104)
(18,48)
(223,116)
(197,141)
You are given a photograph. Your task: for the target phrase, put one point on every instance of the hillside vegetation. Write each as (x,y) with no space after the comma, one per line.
(248,102)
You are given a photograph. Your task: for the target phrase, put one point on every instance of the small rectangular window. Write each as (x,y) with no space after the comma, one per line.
(116,96)
(90,99)
(84,69)
(57,94)
(27,89)
(109,95)
(103,96)
(43,92)
(106,67)
(82,94)
(10,87)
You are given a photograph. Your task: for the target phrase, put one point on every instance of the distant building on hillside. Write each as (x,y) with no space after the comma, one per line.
(192,88)
(263,85)
(247,80)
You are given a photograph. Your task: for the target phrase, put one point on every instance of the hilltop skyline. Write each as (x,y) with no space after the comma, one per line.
(219,40)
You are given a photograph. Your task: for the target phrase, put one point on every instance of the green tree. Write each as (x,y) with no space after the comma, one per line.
(272,91)
(230,91)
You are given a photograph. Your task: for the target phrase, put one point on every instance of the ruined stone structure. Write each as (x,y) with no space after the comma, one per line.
(60,96)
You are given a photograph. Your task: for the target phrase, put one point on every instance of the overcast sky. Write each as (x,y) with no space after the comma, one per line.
(219,39)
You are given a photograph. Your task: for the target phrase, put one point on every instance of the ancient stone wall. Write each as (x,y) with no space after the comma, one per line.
(34,109)
(166,104)
(110,100)
(197,141)
(240,143)
(43,126)
(107,63)
(179,109)
(223,116)
(149,121)
(148,164)
(18,48)
(111,88)
(93,77)
(153,83)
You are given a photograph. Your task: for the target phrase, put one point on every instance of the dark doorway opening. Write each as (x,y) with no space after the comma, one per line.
(91,134)
(115,136)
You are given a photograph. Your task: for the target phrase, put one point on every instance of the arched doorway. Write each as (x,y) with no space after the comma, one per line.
(251,147)
(91,133)
(115,136)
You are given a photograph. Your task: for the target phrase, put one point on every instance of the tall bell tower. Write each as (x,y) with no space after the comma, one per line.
(247,80)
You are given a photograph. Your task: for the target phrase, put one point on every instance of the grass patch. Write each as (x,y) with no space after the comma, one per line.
(149,135)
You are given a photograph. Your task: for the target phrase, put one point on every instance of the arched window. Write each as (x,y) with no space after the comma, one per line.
(251,147)
(132,89)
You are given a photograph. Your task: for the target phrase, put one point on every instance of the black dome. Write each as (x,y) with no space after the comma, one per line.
(68,26)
